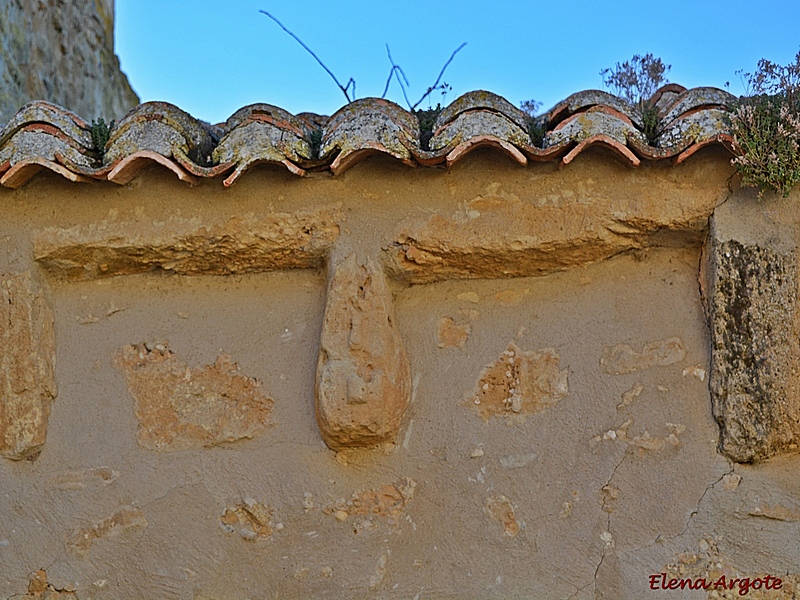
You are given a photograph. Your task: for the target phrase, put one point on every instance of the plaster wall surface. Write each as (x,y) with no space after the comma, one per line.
(611,476)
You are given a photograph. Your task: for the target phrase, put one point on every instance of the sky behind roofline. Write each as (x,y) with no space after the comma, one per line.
(210,58)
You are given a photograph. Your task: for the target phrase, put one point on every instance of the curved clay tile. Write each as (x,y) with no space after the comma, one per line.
(21,172)
(46,112)
(696,127)
(479,127)
(369,126)
(164,129)
(45,141)
(584,125)
(127,168)
(485,140)
(44,135)
(693,99)
(600,139)
(643,149)
(480,99)
(313,120)
(582,101)
(262,133)
(665,96)
(721,138)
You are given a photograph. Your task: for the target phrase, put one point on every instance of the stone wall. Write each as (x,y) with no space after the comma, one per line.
(61,51)
(491,381)
(267,358)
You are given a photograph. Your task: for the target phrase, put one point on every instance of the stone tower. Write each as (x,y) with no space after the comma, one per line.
(61,51)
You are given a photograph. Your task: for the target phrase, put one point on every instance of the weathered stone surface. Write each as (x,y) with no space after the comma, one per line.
(124,518)
(500,509)
(78,480)
(644,441)
(521,383)
(40,589)
(179,407)
(250,519)
(621,359)
(62,52)
(189,246)
(498,235)
(363,376)
(452,334)
(752,304)
(707,568)
(389,500)
(27,382)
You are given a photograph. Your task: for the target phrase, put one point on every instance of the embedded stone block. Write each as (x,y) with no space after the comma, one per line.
(183,246)
(27,362)
(497,235)
(751,296)
(363,376)
(180,407)
(521,382)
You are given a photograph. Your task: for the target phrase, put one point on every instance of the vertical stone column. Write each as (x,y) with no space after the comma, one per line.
(363,376)
(27,359)
(750,288)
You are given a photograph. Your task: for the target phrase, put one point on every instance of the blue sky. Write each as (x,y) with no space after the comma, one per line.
(213,57)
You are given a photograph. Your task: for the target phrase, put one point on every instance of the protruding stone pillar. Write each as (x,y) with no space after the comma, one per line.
(363,376)
(750,285)
(27,358)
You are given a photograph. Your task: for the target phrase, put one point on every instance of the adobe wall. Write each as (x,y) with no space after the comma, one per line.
(510,366)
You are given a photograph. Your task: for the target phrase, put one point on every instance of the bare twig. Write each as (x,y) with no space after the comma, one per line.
(395,69)
(439,78)
(322,64)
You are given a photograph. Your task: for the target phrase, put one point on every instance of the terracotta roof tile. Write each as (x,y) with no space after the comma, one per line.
(128,167)
(603,140)
(584,125)
(582,101)
(366,127)
(262,133)
(690,100)
(22,171)
(164,129)
(696,126)
(482,100)
(44,136)
(477,123)
(45,112)
(665,96)
(479,141)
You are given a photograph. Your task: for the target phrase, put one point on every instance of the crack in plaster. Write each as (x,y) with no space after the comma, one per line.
(593,582)
(692,514)
(696,511)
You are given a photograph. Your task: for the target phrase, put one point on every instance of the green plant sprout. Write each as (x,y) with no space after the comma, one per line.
(100,135)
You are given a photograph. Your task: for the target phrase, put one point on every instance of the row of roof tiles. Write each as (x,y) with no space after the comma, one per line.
(44,136)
